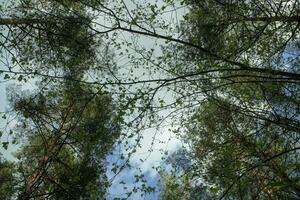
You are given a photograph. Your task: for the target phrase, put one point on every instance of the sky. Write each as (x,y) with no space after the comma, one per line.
(4,107)
(164,139)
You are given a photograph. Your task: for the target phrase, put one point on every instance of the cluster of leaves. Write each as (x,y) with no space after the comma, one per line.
(66,131)
(68,138)
(65,128)
(7,179)
(243,138)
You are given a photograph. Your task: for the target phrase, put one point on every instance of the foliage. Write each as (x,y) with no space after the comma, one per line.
(243,135)
(242,156)
(69,131)
(7,183)
(67,138)
(227,78)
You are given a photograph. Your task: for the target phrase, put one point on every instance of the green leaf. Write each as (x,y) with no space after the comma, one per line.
(152,7)
(6,76)
(20,78)
(5,145)
(114,169)
(14,60)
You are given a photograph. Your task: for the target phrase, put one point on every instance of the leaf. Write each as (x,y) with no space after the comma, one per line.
(152,7)
(6,76)
(20,78)
(5,145)
(114,169)
(14,60)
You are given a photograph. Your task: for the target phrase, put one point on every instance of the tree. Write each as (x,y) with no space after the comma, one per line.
(177,180)
(68,127)
(7,182)
(69,131)
(234,155)
(40,37)
(243,135)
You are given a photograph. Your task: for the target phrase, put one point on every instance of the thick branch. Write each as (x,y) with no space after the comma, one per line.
(19,21)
